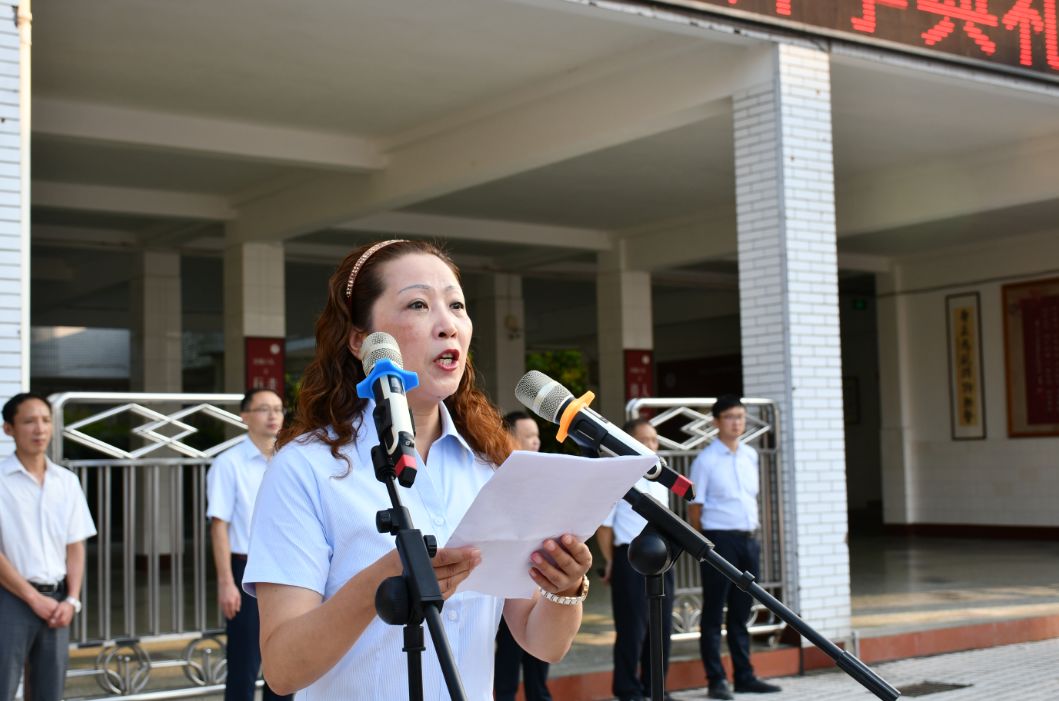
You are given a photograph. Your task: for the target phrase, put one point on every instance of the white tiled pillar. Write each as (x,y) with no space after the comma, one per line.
(14,202)
(623,309)
(156,359)
(788,288)
(500,338)
(254,303)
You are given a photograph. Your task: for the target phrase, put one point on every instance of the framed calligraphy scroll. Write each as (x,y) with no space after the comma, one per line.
(966,390)
(1031,354)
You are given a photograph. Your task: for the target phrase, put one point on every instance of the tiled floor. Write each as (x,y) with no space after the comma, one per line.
(899,585)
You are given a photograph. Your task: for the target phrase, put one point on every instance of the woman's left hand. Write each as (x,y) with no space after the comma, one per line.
(571,558)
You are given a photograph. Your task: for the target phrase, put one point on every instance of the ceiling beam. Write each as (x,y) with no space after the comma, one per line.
(632,99)
(128,200)
(93,122)
(979,181)
(495,231)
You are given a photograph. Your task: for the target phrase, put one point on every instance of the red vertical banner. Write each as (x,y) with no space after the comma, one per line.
(265,363)
(639,374)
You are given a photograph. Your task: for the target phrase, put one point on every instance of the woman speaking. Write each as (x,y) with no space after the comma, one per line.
(316,557)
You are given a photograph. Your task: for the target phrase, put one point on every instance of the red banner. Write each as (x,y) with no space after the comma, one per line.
(639,374)
(265,363)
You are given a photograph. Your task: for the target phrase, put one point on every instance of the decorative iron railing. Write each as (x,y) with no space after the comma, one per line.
(685,427)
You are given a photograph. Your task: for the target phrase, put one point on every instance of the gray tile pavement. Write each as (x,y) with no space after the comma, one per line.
(1022,672)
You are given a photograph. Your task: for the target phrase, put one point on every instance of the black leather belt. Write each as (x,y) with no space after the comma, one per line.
(740,534)
(239,556)
(48,588)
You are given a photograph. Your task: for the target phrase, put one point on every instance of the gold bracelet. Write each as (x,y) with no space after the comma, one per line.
(568,600)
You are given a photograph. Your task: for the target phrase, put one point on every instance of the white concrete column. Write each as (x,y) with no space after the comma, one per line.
(156,353)
(788,285)
(500,338)
(894,439)
(156,365)
(254,303)
(623,309)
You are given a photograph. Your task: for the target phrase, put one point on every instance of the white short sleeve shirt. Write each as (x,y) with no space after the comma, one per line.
(314,527)
(726,484)
(231,490)
(38,521)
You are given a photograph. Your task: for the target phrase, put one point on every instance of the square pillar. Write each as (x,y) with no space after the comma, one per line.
(500,338)
(623,309)
(156,355)
(788,289)
(254,303)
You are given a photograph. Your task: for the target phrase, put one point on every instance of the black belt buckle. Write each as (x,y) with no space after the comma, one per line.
(47,588)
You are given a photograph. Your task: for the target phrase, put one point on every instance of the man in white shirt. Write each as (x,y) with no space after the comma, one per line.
(509,655)
(725,509)
(231,488)
(632,650)
(44,521)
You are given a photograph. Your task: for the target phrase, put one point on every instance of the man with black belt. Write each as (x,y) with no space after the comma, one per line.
(628,588)
(231,486)
(725,508)
(44,521)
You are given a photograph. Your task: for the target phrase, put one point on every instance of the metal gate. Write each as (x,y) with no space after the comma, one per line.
(147,593)
(685,427)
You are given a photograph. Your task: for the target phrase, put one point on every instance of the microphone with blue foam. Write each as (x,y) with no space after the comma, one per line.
(552,402)
(386,383)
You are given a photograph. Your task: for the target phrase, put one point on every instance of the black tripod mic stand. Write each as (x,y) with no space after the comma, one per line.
(665,537)
(414,596)
(652,555)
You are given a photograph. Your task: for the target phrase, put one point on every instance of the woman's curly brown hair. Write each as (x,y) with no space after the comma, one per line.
(328,396)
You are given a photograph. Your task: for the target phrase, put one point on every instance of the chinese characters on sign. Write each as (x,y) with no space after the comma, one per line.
(1040,349)
(1031,340)
(639,374)
(1018,33)
(265,361)
(965,367)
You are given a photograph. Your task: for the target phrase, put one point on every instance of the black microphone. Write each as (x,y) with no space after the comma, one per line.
(552,402)
(386,383)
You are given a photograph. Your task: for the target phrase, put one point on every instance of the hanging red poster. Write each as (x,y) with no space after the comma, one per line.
(265,363)
(639,374)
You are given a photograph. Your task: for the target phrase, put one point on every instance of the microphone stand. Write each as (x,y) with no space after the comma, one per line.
(414,596)
(677,535)
(664,538)
(652,555)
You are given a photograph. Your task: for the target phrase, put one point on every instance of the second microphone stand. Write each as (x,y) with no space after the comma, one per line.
(664,538)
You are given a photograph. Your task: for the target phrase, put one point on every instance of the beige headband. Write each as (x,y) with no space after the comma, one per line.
(364,259)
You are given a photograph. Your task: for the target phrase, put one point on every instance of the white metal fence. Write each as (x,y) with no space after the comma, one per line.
(685,427)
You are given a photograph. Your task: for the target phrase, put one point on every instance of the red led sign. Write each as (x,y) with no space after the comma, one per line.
(1016,33)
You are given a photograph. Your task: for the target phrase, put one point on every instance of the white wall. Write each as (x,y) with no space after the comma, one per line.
(927,476)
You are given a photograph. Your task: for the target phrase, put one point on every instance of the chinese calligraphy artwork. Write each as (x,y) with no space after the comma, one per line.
(966,393)
(1031,354)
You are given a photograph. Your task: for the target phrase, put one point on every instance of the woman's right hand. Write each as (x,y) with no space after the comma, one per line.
(453,565)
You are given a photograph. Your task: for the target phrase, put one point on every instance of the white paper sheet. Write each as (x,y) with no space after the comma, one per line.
(534,496)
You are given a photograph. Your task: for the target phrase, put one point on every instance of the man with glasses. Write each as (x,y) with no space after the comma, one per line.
(726,510)
(231,487)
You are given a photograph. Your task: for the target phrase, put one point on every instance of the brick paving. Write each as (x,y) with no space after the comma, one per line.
(1023,672)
